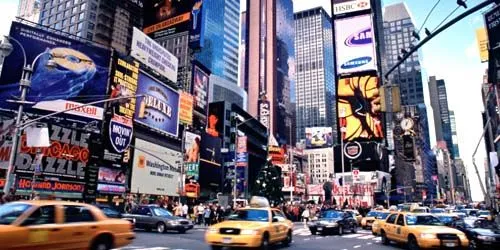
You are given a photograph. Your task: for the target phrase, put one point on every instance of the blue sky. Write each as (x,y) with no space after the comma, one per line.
(452,56)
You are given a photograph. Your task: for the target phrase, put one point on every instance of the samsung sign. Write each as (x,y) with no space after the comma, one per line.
(347,6)
(355,44)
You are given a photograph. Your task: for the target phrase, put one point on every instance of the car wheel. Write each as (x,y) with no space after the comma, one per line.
(288,239)
(412,243)
(313,231)
(473,244)
(354,229)
(264,245)
(385,240)
(161,228)
(101,243)
(340,230)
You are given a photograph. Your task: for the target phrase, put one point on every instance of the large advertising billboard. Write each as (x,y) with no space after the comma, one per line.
(80,73)
(492,22)
(111,181)
(199,89)
(192,145)
(355,44)
(124,79)
(153,55)
(159,107)
(215,120)
(358,103)
(164,18)
(319,137)
(186,108)
(348,6)
(156,169)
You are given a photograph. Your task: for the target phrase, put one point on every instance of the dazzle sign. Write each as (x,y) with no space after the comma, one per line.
(354,43)
(159,107)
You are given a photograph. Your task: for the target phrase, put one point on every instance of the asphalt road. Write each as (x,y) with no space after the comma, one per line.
(302,240)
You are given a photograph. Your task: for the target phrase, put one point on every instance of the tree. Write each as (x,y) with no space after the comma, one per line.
(269,184)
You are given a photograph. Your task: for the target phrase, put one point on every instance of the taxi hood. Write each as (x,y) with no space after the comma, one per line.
(241,224)
(7,228)
(437,229)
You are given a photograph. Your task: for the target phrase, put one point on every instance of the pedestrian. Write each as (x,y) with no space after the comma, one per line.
(206,215)
(305,216)
(199,212)
(185,209)
(178,209)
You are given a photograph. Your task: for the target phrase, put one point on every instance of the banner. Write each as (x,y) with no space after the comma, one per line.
(358,97)
(50,186)
(124,75)
(6,132)
(66,158)
(355,44)
(264,113)
(192,170)
(482,43)
(153,55)
(156,169)
(319,137)
(200,81)
(348,6)
(492,22)
(81,73)
(159,108)
(197,27)
(186,108)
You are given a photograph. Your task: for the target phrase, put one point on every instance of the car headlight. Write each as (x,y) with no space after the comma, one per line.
(249,232)
(486,238)
(212,230)
(427,236)
(173,222)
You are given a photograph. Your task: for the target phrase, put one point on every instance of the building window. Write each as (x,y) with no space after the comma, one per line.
(83,6)
(82,16)
(90,35)
(75,9)
(80,26)
(67,13)
(73,19)
(92,16)
(90,26)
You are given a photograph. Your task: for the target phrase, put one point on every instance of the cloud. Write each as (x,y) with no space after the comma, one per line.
(471,52)
(7,16)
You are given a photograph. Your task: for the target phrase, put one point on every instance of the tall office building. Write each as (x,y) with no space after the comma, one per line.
(439,104)
(319,164)
(315,76)
(398,28)
(270,63)
(107,22)
(29,10)
(454,136)
(243,37)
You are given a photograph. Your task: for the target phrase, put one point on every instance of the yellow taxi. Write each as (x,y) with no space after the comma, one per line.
(379,220)
(60,225)
(421,231)
(367,221)
(256,226)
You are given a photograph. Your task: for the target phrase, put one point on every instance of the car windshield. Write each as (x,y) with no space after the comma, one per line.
(486,224)
(161,212)
(437,210)
(446,219)
(425,220)
(372,214)
(10,212)
(382,216)
(484,213)
(250,215)
(332,215)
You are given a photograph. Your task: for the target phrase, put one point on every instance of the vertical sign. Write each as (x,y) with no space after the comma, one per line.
(241,152)
(186,108)
(125,75)
(265,113)
(200,81)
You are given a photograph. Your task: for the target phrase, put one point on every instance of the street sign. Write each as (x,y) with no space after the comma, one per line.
(355,175)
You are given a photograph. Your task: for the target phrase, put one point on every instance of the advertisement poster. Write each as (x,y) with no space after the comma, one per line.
(215,120)
(199,90)
(358,97)
(319,137)
(156,169)
(264,112)
(355,44)
(59,188)
(348,6)
(81,73)
(482,43)
(159,107)
(197,26)
(166,17)
(186,108)
(124,75)
(66,158)
(120,133)
(210,161)
(153,55)
(111,180)
(6,132)
(192,154)
(492,23)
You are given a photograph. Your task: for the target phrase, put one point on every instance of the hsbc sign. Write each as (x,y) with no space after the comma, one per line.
(343,6)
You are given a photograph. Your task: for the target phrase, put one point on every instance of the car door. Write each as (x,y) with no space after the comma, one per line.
(389,226)
(348,219)
(80,225)
(41,231)
(279,225)
(142,217)
(400,227)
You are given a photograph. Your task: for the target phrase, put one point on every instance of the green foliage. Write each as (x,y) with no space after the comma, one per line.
(269,184)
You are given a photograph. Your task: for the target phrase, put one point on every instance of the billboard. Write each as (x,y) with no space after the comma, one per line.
(159,107)
(153,55)
(186,108)
(66,158)
(111,181)
(492,22)
(355,44)
(215,120)
(165,17)
(155,170)
(197,26)
(200,81)
(482,42)
(265,113)
(319,137)
(192,144)
(210,171)
(358,103)
(81,73)
(124,78)
(348,6)
(49,187)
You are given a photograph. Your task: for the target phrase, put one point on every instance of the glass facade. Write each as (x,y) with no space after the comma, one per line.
(315,87)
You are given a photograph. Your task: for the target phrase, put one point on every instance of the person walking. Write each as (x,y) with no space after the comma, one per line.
(206,215)
(200,209)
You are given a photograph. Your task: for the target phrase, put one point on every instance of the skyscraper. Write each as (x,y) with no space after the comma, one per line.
(315,87)
(29,10)
(398,28)
(107,22)
(270,65)
(439,104)
(454,136)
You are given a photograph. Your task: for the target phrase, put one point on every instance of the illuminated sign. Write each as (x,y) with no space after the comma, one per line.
(348,6)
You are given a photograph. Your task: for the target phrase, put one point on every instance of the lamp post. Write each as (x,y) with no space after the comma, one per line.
(235,190)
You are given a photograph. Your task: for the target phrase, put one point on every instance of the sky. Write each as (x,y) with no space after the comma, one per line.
(452,56)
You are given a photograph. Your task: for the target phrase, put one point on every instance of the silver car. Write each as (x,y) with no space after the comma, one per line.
(150,217)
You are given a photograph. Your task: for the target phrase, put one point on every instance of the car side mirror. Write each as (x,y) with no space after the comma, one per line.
(275,220)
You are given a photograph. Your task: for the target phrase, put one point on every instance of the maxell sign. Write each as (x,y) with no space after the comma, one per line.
(347,6)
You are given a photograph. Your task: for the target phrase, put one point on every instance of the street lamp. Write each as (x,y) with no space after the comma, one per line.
(25,83)
(234,160)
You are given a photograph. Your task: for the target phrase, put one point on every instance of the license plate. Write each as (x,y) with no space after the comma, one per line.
(450,244)
(320,228)
(226,240)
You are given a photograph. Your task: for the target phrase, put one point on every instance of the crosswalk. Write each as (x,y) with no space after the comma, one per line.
(361,234)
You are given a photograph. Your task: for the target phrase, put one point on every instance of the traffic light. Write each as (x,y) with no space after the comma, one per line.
(446,183)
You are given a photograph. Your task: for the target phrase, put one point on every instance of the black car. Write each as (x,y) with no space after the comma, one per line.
(113,213)
(150,217)
(333,221)
(482,234)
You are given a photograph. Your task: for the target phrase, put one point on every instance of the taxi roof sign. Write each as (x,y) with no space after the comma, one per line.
(259,202)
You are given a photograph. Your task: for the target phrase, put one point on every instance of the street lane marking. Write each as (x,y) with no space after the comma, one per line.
(369,243)
(357,246)
(351,235)
(366,237)
(377,239)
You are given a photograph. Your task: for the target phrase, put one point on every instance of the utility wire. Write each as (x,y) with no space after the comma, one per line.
(427,17)
(446,18)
